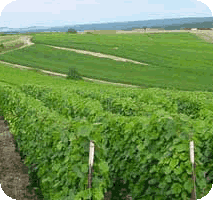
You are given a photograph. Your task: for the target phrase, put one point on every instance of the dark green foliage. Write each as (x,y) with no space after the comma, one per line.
(151,153)
(71,30)
(189,108)
(73,74)
(1,46)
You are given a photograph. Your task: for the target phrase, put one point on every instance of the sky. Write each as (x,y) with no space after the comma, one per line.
(25,13)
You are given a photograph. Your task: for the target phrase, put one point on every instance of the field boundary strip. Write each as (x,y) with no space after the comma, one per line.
(101,55)
(64,75)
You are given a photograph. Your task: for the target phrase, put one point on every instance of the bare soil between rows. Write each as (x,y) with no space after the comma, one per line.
(15,180)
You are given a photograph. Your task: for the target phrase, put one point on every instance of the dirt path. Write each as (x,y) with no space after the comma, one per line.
(14,178)
(27,41)
(204,34)
(64,75)
(100,55)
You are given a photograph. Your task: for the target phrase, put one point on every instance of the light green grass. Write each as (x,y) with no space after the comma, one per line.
(180,60)
(43,57)
(176,60)
(167,50)
(17,77)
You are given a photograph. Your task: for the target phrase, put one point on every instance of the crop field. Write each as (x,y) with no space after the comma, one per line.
(53,100)
(166,50)
(141,135)
(176,60)
(44,57)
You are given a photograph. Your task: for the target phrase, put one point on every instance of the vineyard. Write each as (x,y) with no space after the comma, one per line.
(140,135)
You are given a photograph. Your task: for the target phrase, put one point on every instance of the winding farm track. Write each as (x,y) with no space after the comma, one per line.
(206,35)
(27,42)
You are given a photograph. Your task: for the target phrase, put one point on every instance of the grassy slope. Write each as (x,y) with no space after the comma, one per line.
(40,56)
(24,76)
(168,50)
(178,60)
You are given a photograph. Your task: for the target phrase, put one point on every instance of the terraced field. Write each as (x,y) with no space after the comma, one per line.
(170,57)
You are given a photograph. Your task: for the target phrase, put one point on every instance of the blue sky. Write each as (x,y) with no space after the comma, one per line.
(25,13)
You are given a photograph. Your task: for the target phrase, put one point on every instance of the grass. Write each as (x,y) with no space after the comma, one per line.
(47,58)
(24,76)
(176,60)
(164,49)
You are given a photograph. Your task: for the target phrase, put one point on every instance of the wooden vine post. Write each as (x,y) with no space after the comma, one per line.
(91,158)
(193,194)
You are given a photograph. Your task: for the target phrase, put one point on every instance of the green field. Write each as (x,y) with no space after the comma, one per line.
(175,60)
(128,123)
(167,50)
(140,132)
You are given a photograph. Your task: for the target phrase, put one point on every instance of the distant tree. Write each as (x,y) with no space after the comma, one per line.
(204,28)
(73,74)
(72,30)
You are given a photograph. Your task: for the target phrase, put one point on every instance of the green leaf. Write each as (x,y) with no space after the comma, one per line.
(173,163)
(78,172)
(168,178)
(176,141)
(162,185)
(140,147)
(84,168)
(98,194)
(184,195)
(178,170)
(182,147)
(176,188)
(103,166)
(84,130)
(184,176)
(152,181)
(183,157)
(59,145)
(188,185)
(167,170)
(71,195)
